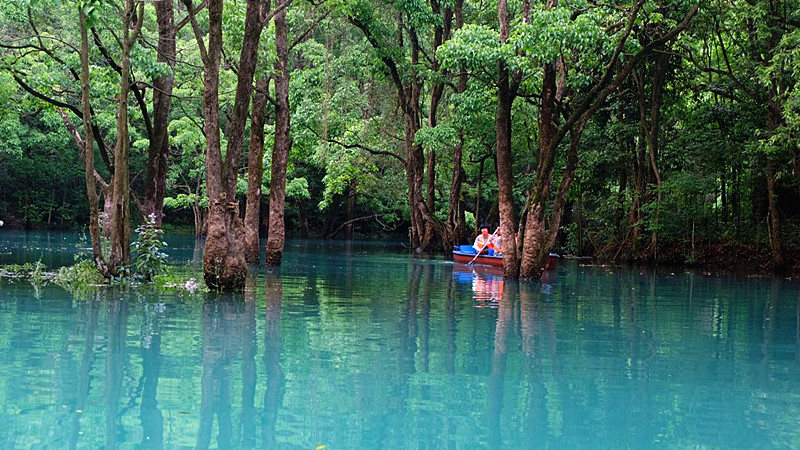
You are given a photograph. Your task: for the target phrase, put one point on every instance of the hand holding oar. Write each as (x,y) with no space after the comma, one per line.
(487,241)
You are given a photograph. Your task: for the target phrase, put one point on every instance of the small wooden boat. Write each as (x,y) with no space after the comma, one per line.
(464,254)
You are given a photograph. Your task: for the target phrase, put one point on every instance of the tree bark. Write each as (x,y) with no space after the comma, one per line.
(505,174)
(650,127)
(280,151)
(156,178)
(534,233)
(255,172)
(224,267)
(121,191)
(773,222)
(87,151)
(441,34)
(456,228)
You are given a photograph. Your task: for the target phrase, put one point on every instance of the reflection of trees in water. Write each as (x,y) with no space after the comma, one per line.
(247,425)
(151,417)
(117,331)
(84,371)
(599,356)
(272,357)
(494,407)
(223,320)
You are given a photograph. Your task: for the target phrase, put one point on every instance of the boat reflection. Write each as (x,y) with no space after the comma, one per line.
(487,282)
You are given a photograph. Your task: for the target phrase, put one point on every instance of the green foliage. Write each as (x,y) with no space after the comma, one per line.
(149,260)
(28,271)
(297,188)
(79,277)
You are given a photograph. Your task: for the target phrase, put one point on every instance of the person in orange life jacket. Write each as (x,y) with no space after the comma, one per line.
(484,239)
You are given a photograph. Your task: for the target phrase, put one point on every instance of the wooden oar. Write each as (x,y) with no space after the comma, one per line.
(484,246)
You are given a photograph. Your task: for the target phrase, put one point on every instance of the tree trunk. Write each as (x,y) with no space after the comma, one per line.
(561,195)
(533,233)
(280,151)
(773,222)
(351,210)
(650,127)
(121,191)
(456,228)
(224,264)
(255,172)
(87,152)
(156,178)
(505,174)
(639,194)
(441,34)
(224,267)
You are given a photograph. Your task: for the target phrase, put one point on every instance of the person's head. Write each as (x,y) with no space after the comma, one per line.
(485,229)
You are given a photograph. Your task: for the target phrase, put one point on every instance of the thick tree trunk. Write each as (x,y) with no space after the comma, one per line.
(224,267)
(280,152)
(255,172)
(224,264)
(533,234)
(156,178)
(505,174)
(414,171)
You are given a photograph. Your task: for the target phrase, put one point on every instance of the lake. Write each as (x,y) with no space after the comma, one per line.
(361,345)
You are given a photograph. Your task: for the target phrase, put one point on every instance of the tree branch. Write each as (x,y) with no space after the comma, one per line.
(59,104)
(359,146)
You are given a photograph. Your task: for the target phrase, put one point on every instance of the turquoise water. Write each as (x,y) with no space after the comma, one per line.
(362,346)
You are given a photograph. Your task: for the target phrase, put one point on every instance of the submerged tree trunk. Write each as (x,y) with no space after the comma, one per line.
(156,178)
(280,151)
(441,34)
(255,172)
(505,174)
(456,227)
(121,191)
(534,233)
(224,264)
(87,152)
(224,267)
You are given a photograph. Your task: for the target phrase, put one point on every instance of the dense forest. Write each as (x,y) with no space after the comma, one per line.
(662,131)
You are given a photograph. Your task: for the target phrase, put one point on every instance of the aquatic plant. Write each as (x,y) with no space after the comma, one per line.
(149,259)
(81,275)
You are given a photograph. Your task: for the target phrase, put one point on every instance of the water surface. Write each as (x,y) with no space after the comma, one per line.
(364,346)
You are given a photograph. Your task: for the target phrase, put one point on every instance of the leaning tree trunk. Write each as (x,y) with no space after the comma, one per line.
(534,232)
(280,152)
(156,178)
